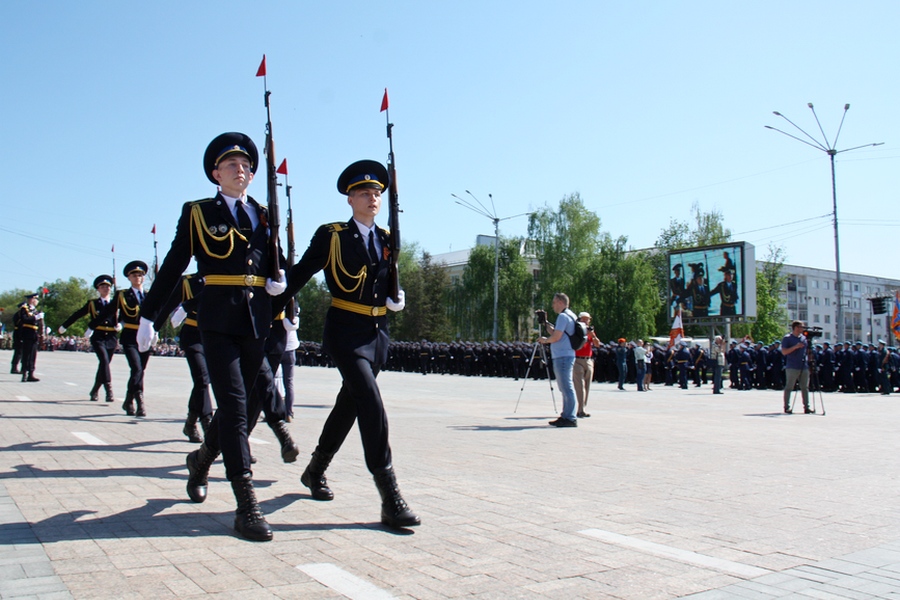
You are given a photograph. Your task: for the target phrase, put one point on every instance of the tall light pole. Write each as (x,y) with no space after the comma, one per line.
(829,149)
(482,210)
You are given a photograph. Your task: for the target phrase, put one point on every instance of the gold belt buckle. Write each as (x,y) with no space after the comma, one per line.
(374,311)
(248,280)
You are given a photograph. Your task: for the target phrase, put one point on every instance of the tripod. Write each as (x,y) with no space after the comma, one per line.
(814,384)
(538,347)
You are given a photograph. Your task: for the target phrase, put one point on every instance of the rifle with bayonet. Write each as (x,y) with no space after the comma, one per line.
(271,184)
(393,208)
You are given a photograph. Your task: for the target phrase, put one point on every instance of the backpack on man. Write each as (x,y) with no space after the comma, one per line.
(579,337)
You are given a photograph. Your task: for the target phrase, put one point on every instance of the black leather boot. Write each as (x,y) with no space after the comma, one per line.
(95,396)
(289,450)
(249,521)
(31,377)
(109,392)
(314,476)
(128,405)
(24,376)
(394,510)
(190,428)
(139,398)
(198,464)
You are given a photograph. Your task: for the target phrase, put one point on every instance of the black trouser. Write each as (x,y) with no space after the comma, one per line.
(17,350)
(29,354)
(137,362)
(359,399)
(105,348)
(233,363)
(200,402)
(264,397)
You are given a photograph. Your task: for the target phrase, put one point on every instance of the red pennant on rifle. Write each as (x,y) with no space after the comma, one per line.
(282,168)
(261,71)
(153,231)
(384,102)
(113,248)
(45,290)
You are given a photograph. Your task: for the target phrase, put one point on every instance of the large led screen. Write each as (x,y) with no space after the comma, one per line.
(713,282)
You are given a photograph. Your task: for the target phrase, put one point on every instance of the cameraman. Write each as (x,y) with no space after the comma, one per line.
(563,356)
(794,346)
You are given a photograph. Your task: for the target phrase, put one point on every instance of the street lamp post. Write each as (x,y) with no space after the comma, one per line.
(828,148)
(482,210)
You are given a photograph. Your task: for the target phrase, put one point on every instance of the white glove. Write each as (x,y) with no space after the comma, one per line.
(290,325)
(274,288)
(178,316)
(399,304)
(39,316)
(146,335)
(118,327)
(61,330)
(88,333)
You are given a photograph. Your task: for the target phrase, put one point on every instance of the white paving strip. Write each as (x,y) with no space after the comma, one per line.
(343,582)
(257,441)
(70,383)
(89,439)
(23,398)
(718,564)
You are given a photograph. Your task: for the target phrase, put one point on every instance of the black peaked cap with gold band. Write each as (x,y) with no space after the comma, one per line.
(102,279)
(363,174)
(226,145)
(135,266)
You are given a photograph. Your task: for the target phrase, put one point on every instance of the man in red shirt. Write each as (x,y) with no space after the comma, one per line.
(583,371)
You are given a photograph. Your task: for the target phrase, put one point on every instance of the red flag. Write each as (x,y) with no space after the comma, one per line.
(282,168)
(45,290)
(154,229)
(384,102)
(895,316)
(261,71)
(113,248)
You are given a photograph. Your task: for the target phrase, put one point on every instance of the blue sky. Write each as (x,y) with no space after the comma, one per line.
(642,107)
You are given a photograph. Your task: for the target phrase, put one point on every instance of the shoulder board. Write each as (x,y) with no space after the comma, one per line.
(332,227)
(201,201)
(386,230)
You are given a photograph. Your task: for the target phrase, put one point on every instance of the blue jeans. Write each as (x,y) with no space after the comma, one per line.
(562,366)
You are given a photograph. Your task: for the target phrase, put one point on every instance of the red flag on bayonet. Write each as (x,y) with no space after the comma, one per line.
(45,290)
(113,248)
(282,168)
(154,229)
(384,101)
(261,71)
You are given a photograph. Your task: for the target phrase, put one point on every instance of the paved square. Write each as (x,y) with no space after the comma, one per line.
(665,494)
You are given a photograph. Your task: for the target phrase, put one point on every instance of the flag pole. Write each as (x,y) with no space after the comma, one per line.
(113,250)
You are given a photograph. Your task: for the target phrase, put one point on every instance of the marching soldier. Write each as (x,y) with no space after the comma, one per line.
(356,254)
(17,339)
(29,320)
(126,310)
(228,236)
(103,329)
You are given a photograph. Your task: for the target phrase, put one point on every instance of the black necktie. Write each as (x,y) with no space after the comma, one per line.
(243,219)
(140,297)
(373,255)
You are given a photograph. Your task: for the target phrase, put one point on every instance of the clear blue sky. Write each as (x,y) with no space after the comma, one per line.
(642,107)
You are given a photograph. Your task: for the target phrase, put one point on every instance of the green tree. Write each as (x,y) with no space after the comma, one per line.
(771,316)
(9,303)
(312,304)
(425,315)
(63,299)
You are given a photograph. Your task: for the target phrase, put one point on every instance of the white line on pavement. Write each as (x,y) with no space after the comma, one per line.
(70,383)
(23,398)
(343,582)
(89,439)
(257,441)
(718,564)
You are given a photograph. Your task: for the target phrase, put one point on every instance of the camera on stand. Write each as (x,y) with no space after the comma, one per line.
(541,316)
(812,332)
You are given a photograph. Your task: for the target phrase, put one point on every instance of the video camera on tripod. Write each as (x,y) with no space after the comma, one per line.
(541,316)
(812,332)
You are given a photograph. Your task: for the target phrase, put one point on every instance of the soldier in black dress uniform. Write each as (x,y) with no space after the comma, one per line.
(127,310)
(727,291)
(103,334)
(17,340)
(29,320)
(354,255)
(228,236)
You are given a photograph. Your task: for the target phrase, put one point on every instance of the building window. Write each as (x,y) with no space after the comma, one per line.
(827,285)
(815,318)
(827,335)
(855,303)
(815,283)
(816,300)
(828,318)
(827,301)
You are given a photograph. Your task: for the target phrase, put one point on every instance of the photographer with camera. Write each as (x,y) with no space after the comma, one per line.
(562,354)
(794,347)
